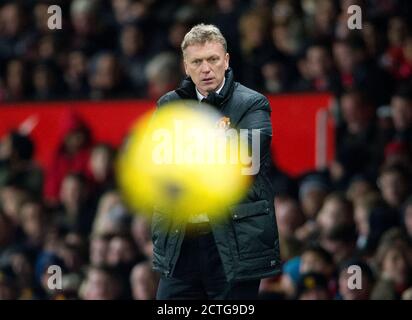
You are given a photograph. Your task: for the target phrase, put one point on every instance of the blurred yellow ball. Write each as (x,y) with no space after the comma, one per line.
(178,159)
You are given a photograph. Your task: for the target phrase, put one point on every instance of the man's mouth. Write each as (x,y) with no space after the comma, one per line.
(207,80)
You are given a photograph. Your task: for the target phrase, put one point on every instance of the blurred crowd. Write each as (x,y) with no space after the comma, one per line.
(358,211)
(130,48)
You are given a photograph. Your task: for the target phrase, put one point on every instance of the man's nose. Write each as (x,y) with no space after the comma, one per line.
(205,68)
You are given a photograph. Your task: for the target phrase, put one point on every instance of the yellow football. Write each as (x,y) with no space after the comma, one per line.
(184,158)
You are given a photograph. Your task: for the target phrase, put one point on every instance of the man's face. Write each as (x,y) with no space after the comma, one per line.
(352,108)
(289,218)
(393,188)
(318,61)
(311,262)
(206,65)
(401,113)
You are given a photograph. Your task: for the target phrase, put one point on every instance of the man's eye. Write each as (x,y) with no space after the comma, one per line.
(196,62)
(214,59)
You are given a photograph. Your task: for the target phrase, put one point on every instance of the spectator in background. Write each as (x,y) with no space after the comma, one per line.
(72,154)
(336,211)
(45,82)
(7,231)
(134,55)
(289,278)
(323,19)
(163,73)
(122,253)
(121,11)
(15,37)
(407,294)
(363,208)
(98,249)
(42,274)
(75,75)
(373,39)
(141,234)
(401,106)
(313,286)
(315,258)
(89,33)
(115,220)
(356,69)
(11,199)
(394,185)
(317,74)
(227,17)
(287,30)
(356,135)
(41,18)
(107,202)
(407,218)
(17,165)
(101,169)
(340,242)
(8,288)
(312,192)
(397,153)
(275,76)
(15,80)
(394,272)
(359,187)
(74,212)
(106,78)
(393,58)
(288,215)
(341,26)
(175,36)
(254,47)
(129,11)
(194,11)
(101,283)
(405,67)
(84,21)
(34,223)
(396,236)
(48,49)
(289,218)
(362,290)
(144,282)
(347,63)
(73,253)
(20,261)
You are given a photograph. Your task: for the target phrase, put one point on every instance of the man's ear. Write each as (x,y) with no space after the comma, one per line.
(185,66)
(227,57)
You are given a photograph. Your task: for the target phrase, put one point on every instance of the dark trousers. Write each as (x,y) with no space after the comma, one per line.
(199,275)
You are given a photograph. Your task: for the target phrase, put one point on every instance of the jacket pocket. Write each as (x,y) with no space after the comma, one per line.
(253,225)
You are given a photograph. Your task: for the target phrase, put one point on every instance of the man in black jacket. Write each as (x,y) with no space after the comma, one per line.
(226,260)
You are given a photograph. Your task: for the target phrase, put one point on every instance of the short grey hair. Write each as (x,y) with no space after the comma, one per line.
(202,33)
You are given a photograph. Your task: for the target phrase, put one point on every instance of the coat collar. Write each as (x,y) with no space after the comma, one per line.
(187,90)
